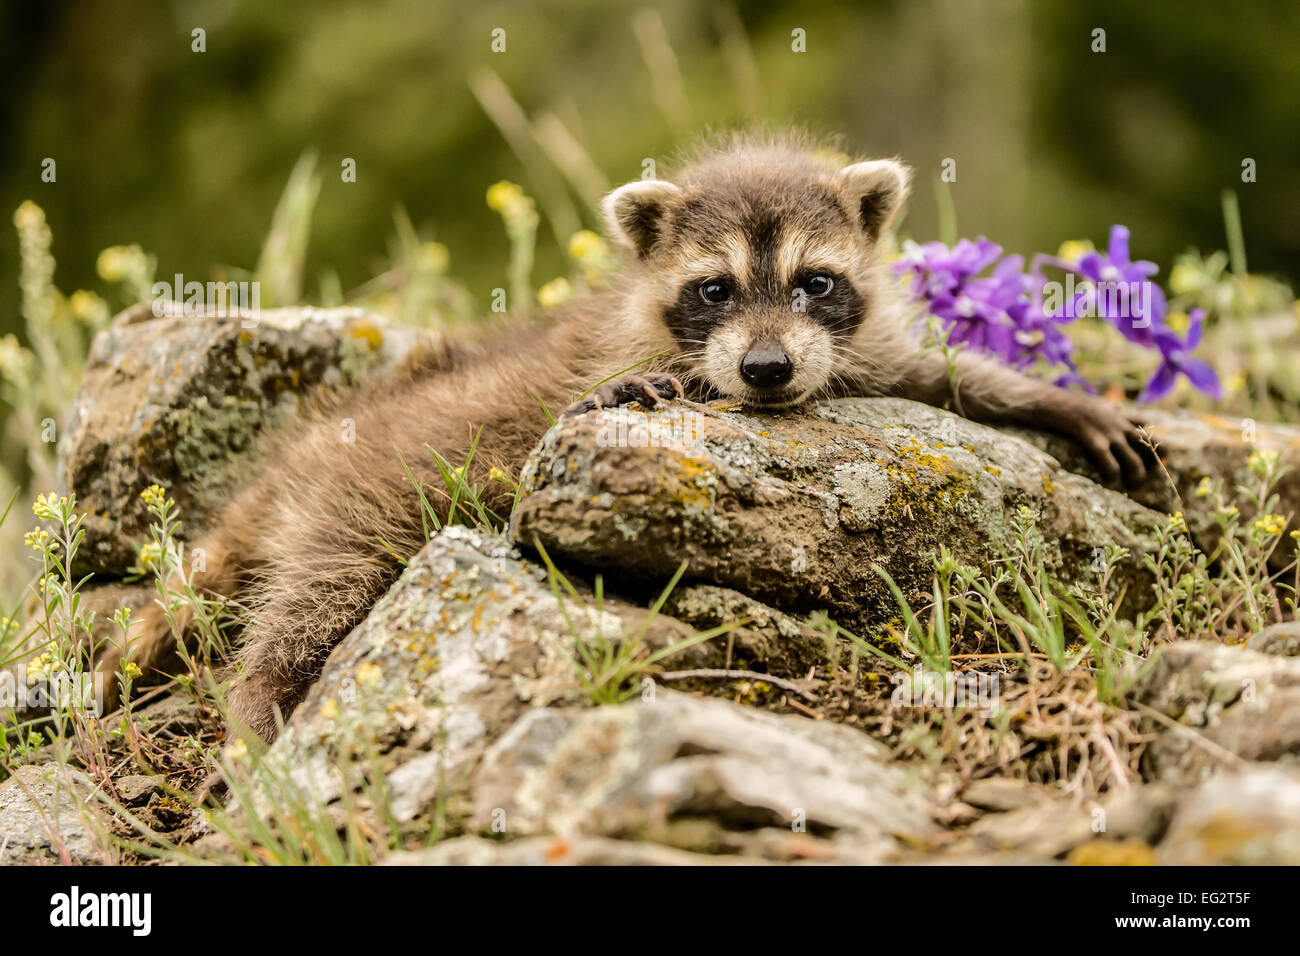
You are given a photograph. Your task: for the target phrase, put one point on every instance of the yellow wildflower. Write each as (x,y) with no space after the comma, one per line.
(502,195)
(1205,487)
(14,361)
(1184,278)
(154,496)
(150,556)
(1263,460)
(46,507)
(1270,525)
(43,667)
(1072,250)
(554,292)
(87,307)
(585,245)
(28,216)
(434,257)
(1177,522)
(119,263)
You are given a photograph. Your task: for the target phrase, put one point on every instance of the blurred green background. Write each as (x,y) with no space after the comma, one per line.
(186,153)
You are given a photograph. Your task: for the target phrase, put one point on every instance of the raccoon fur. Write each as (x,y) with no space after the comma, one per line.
(756,271)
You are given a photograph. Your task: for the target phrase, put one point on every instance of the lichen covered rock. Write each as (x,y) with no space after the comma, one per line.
(1195,446)
(45,818)
(178,400)
(446,661)
(796,509)
(1246,818)
(635,769)
(1234,703)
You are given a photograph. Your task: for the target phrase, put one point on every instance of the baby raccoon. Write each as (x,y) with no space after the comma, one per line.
(756,272)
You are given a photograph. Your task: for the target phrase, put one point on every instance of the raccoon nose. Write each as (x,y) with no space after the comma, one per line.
(766,367)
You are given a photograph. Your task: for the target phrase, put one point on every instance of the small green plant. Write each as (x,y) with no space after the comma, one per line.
(610,668)
(197,622)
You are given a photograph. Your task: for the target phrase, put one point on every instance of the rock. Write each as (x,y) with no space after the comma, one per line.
(794,509)
(1247,818)
(1196,445)
(1001,794)
(447,660)
(1282,640)
(631,770)
(770,640)
(1230,699)
(137,788)
(463,642)
(556,851)
(42,819)
(1052,828)
(467,639)
(1112,853)
(179,400)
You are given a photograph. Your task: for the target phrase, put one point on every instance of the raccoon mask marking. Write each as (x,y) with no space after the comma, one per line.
(760,268)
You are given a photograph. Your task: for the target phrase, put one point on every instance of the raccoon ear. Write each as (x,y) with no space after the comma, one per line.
(875,192)
(634,213)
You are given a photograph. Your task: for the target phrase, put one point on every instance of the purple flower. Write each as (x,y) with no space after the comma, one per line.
(1121,291)
(1115,265)
(1176,359)
(939,269)
(1004,313)
(993,313)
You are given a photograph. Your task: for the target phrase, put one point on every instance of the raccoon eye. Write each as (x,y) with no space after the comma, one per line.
(714,291)
(818,285)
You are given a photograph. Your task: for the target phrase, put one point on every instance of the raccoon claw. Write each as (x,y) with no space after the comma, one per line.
(647,390)
(1117,443)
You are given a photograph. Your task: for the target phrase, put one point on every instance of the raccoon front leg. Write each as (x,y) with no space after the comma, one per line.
(652,387)
(983,390)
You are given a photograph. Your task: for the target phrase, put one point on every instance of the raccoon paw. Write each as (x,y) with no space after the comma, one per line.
(1116,442)
(647,390)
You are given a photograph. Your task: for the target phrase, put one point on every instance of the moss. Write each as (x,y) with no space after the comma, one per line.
(208,435)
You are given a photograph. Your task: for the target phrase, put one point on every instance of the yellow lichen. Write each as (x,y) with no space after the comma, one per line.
(1112,853)
(366,331)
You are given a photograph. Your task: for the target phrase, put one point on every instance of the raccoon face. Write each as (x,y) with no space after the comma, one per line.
(760,268)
